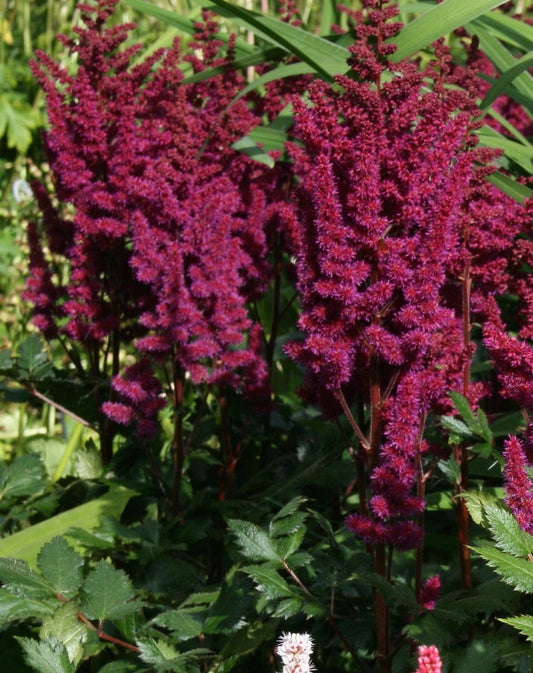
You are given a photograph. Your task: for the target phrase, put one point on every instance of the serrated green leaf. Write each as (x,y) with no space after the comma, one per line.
(107,593)
(456,426)
(254,543)
(16,576)
(5,356)
(161,654)
(437,22)
(65,627)
(269,582)
(288,607)
(182,624)
(463,406)
(25,476)
(119,667)
(523,623)
(46,656)
(508,536)
(32,360)
(288,544)
(516,572)
(16,608)
(61,566)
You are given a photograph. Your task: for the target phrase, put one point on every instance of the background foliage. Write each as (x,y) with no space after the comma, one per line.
(101,567)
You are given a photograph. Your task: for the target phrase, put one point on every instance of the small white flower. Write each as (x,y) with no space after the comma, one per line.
(295,650)
(21,191)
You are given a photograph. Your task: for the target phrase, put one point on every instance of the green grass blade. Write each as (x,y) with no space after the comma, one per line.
(507,185)
(511,31)
(506,78)
(326,58)
(27,543)
(438,21)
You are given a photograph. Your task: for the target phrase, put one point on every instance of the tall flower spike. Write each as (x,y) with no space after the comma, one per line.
(518,485)
(295,650)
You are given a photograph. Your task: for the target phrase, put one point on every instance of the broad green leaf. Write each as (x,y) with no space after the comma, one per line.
(326,58)
(508,535)
(46,656)
(255,544)
(119,667)
(288,544)
(107,593)
(17,577)
(269,581)
(287,524)
(164,657)
(65,627)
(524,624)
(516,572)
(288,607)
(438,21)
(61,566)
(27,543)
(248,146)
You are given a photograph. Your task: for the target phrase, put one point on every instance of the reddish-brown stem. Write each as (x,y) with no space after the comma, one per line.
(355,427)
(461,452)
(178,452)
(99,630)
(230,457)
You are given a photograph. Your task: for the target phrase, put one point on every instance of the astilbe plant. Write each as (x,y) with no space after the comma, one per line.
(166,242)
(395,223)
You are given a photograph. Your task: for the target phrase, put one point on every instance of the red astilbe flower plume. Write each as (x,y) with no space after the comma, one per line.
(518,485)
(429,660)
(387,174)
(167,242)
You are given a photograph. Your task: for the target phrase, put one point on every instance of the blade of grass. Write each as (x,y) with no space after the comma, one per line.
(438,21)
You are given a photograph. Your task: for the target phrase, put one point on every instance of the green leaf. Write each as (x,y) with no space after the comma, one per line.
(524,624)
(515,151)
(510,187)
(47,656)
(499,87)
(65,627)
(32,360)
(254,543)
(27,543)
(287,607)
(463,406)
(288,544)
(61,566)
(16,576)
(326,58)
(107,593)
(518,34)
(25,476)
(269,582)
(508,535)
(479,655)
(182,624)
(16,608)
(516,572)
(438,21)
(456,427)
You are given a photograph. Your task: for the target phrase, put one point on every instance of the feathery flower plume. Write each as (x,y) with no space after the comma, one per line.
(390,194)
(295,650)
(518,485)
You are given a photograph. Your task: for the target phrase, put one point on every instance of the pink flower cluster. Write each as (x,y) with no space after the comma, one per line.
(392,204)
(429,660)
(167,241)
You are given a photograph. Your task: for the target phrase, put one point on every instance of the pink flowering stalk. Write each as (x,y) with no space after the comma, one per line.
(394,224)
(167,241)
(429,660)
(295,650)
(518,485)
